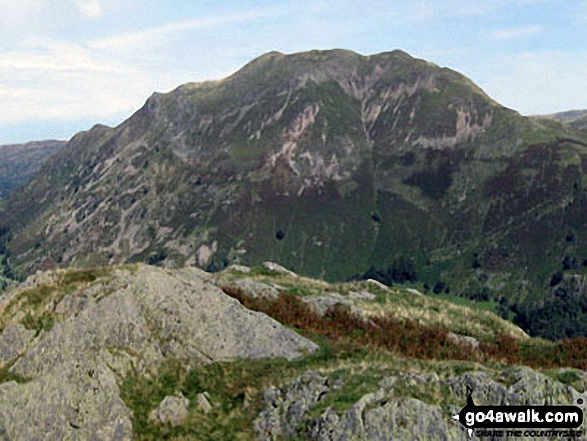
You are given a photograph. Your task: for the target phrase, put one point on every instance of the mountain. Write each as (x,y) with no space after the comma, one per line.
(574,118)
(137,352)
(18,162)
(335,165)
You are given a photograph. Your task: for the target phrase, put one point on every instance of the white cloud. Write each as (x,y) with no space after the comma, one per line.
(48,79)
(59,80)
(541,82)
(89,8)
(519,32)
(146,35)
(18,12)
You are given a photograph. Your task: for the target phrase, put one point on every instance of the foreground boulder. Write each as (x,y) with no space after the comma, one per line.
(172,410)
(74,369)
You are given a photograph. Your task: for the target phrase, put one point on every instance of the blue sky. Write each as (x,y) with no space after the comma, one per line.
(68,64)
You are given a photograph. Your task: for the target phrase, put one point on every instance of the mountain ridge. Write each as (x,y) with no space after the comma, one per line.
(574,118)
(326,161)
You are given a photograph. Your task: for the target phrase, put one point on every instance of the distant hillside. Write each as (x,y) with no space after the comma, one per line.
(335,165)
(575,118)
(18,162)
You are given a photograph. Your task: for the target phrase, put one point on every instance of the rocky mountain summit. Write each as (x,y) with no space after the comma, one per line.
(140,352)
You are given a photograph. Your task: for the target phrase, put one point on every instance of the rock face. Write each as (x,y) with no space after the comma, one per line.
(255,289)
(386,415)
(382,417)
(73,370)
(528,387)
(286,408)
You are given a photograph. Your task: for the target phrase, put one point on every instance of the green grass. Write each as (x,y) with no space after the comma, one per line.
(229,385)
(6,375)
(480,306)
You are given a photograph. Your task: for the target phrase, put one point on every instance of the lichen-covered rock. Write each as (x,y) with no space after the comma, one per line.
(115,322)
(322,304)
(253,288)
(463,340)
(278,269)
(536,389)
(528,388)
(239,269)
(484,390)
(363,295)
(71,305)
(172,410)
(161,313)
(379,415)
(197,320)
(13,342)
(286,408)
(191,272)
(78,400)
(74,368)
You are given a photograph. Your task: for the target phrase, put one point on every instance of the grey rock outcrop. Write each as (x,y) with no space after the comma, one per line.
(286,408)
(376,416)
(387,414)
(255,289)
(13,342)
(463,340)
(381,417)
(155,314)
(279,269)
(172,410)
(322,304)
(239,269)
(528,388)
(362,295)
(78,400)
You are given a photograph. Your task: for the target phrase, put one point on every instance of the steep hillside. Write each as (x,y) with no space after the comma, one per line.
(144,353)
(18,162)
(574,118)
(330,163)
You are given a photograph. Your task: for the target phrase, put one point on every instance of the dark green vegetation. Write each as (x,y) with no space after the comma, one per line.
(332,164)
